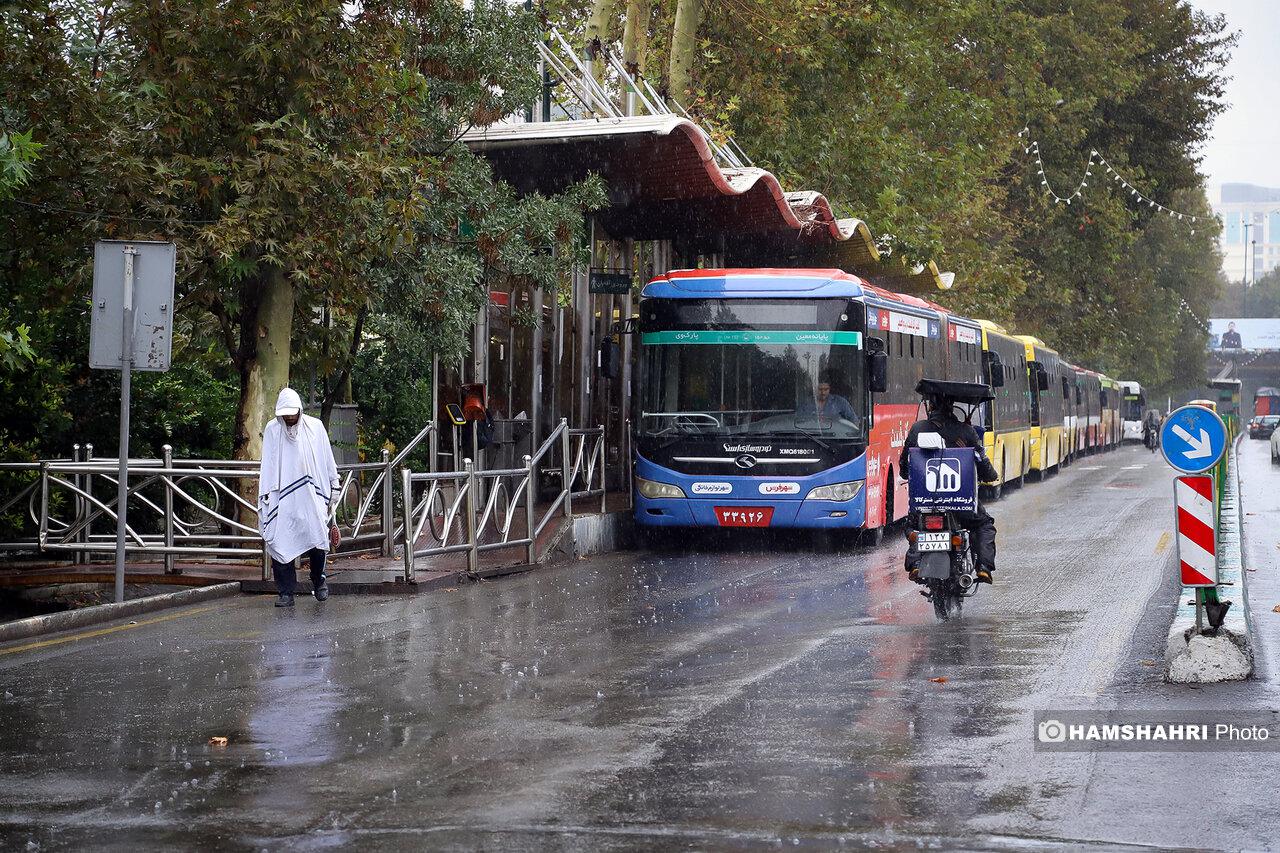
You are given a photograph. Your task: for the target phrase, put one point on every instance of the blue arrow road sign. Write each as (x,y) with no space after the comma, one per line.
(1193,439)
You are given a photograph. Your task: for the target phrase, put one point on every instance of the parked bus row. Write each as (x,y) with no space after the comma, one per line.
(781,398)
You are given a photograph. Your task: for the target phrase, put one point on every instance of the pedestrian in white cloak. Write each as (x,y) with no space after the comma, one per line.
(297,485)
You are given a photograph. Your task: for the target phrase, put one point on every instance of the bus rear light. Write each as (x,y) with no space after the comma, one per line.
(934,522)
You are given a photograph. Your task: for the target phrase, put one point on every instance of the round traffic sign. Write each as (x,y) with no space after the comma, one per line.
(1193,439)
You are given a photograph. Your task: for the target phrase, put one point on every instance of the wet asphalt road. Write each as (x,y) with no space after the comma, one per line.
(757,693)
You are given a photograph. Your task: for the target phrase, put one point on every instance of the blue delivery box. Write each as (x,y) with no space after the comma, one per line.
(943,480)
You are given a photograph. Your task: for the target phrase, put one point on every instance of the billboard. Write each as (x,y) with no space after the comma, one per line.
(1245,333)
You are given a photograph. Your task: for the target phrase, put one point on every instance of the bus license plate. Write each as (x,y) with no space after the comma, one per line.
(933,542)
(744,516)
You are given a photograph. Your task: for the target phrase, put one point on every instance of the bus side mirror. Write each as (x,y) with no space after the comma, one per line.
(878,372)
(995,370)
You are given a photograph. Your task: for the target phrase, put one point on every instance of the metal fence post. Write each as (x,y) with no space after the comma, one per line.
(531,550)
(566,468)
(166,453)
(88,489)
(78,479)
(473,553)
(44,504)
(600,461)
(406,489)
(388,515)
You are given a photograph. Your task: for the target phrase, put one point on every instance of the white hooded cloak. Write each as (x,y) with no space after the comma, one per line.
(297,483)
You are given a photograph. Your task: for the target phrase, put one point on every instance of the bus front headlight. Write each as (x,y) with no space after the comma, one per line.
(653,489)
(836,491)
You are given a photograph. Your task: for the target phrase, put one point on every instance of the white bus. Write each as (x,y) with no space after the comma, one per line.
(1132,409)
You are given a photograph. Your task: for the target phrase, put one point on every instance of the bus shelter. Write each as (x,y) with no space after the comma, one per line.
(545,357)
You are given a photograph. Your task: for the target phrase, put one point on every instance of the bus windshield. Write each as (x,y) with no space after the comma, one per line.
(752,367)
(1133,407)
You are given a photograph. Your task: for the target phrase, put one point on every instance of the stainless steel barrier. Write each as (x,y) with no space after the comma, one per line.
(196,507)
(191,507)
(445,512)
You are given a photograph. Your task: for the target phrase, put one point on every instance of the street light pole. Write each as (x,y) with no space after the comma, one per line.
(1244,276)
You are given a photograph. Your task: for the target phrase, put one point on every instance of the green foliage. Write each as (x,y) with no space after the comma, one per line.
(1261,300)
(907,115)
(268,138)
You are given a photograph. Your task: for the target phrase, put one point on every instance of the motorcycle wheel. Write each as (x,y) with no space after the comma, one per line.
(946,598)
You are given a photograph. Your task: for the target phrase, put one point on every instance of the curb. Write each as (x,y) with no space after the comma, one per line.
(52,623)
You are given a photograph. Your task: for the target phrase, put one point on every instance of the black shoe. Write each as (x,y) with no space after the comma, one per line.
(984,575)
(321,592)
(284,600)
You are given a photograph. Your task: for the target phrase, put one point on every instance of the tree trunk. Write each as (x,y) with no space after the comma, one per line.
(266,328)
(598,32)
(635,35)
(684,47)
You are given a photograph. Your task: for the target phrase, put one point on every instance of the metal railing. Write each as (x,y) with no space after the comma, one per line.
(473,511)
(190,507)
(197,508)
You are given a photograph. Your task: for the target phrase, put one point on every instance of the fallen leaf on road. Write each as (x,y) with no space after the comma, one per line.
(366,557)
(217,740)
(941,679)
(1147,662)
(1276,609)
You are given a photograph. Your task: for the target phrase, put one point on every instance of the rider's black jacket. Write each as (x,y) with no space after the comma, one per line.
(955,433)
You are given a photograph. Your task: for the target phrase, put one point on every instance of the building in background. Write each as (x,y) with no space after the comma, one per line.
(1250,217)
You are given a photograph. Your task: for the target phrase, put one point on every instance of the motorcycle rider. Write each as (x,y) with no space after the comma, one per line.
(956,433)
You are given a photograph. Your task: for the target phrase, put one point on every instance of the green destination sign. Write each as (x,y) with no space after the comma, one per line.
(807,337)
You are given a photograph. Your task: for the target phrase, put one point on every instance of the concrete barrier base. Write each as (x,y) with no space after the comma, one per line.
(1192,658)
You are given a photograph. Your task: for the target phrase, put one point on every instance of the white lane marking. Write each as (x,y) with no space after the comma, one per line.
(1091,468)
(1133,467)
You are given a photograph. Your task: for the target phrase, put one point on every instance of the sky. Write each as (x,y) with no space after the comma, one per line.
(1245,140)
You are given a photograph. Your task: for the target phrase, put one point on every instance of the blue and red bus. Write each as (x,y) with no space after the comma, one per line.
(755,400)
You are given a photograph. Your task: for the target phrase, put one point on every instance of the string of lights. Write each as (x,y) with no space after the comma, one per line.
(1032,147)
(1182,304)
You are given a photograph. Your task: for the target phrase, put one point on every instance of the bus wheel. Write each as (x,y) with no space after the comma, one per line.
(870,538)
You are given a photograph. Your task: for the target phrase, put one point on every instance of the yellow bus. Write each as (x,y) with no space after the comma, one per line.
(1048,394)
(1008,418)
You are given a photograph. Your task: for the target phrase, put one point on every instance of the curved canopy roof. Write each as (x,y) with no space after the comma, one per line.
(664,183)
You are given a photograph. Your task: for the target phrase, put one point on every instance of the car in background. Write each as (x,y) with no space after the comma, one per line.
(1252,426)
(1266,426)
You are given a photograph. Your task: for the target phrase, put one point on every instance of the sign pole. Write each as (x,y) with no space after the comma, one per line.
(126,364)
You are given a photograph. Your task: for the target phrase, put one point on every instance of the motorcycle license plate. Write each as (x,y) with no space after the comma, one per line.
(933,542)
(744,516)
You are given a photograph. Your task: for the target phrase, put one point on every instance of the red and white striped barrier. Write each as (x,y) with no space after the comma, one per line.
(1197,530)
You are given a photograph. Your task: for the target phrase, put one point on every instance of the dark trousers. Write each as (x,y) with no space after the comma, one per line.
(287,576)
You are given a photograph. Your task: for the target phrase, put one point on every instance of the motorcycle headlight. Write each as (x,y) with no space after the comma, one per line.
(653,489)
(836,491)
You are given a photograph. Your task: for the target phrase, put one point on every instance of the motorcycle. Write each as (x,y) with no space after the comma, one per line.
(943,484)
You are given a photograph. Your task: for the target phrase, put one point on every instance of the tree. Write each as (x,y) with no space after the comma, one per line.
(303,156)
(910,115)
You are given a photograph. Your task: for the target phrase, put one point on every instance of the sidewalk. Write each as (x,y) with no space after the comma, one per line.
(1260,497)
